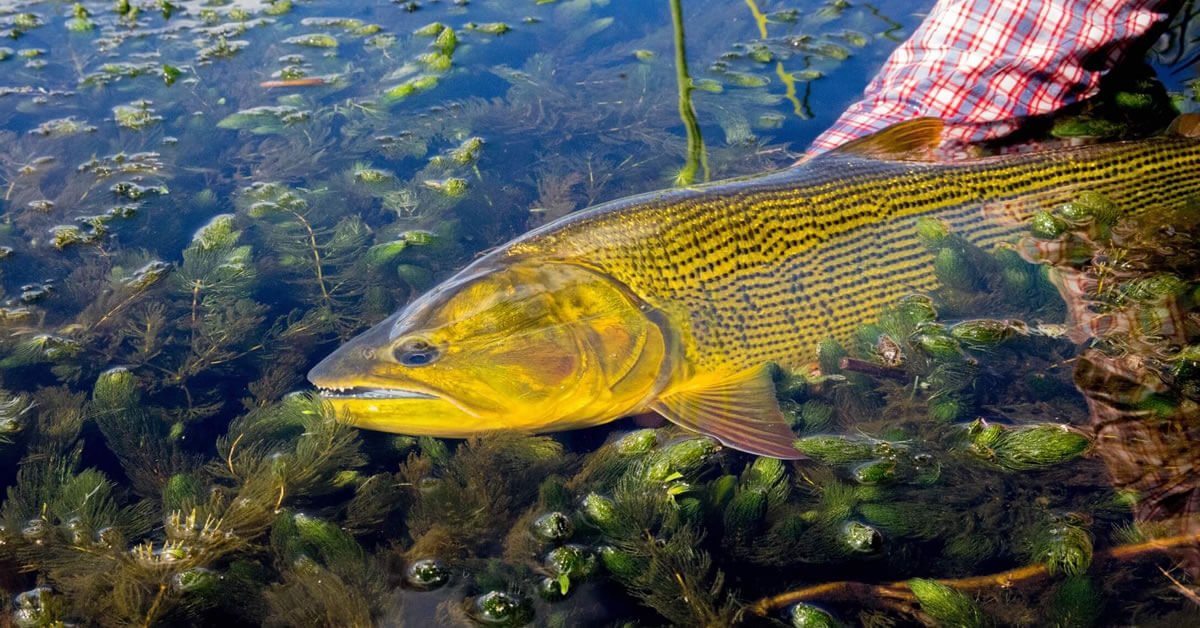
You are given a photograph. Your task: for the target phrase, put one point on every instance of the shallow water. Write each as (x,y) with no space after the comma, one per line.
(201,199)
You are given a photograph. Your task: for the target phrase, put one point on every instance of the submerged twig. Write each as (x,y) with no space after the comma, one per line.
(872,369)
(1182,588)
(151,615)
(900,590)
(229,458)
(137,293)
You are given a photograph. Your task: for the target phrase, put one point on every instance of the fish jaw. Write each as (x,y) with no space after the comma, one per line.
(403,411)
(419,414)
(348,380)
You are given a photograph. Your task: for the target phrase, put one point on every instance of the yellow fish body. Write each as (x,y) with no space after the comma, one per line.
(677,301)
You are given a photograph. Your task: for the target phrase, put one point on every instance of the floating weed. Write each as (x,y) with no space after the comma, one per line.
(278,7)
(446,41)
(410,87)
(490,28)
(708,85)
(62,127)
(220,49)
(122,163)
(313,40)
(66,236)
(467,153)
(453,187)
(807,75)
(136,116)
(135,191)
(26,21)
(80,21)
(351,25)
(743,79)
(433,29)
(264,120)
(363,173)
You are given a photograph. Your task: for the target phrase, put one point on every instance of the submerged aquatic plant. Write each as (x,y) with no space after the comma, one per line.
(1027,447)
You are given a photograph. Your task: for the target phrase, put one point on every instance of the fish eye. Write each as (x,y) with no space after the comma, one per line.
(415,352)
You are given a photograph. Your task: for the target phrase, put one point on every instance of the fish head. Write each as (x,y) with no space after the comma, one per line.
(519,346)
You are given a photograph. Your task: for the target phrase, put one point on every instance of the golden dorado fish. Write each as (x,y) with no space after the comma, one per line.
(678,301)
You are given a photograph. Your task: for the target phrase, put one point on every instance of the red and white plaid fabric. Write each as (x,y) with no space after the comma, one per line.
(980,64)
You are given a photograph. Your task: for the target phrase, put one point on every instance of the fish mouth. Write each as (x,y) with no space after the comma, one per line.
(363,392)
(403,411)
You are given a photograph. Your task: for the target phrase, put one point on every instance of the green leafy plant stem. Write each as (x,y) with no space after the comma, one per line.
(696,156)
(316,251)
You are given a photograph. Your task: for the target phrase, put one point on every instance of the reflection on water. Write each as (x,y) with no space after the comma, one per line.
(1139,376)
(200,199)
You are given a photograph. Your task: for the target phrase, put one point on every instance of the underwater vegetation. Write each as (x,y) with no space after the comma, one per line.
(199,199)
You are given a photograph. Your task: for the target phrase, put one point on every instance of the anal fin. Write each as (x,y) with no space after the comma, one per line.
(740,411)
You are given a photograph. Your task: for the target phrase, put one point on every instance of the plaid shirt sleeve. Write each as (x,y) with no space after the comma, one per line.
(981,64)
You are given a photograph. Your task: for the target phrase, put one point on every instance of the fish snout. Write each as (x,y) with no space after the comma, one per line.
(353,361)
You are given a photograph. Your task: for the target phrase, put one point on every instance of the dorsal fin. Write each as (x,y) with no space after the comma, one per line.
(911,140)
(1185,125)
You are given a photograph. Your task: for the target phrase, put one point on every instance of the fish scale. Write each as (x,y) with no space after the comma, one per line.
(764,269)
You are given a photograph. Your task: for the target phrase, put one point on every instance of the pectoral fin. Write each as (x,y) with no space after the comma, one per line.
(740,411)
